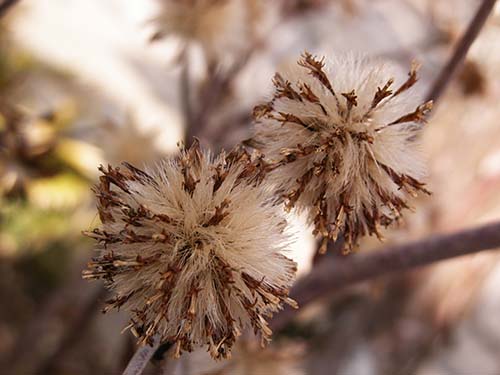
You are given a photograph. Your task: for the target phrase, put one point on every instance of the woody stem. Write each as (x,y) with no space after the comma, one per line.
(335,273)
(460,51)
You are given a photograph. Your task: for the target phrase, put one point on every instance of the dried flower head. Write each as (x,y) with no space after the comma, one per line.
(218,26)
(342,143)
(193,249)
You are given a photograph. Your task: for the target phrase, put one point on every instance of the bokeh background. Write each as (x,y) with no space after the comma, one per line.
(90,82)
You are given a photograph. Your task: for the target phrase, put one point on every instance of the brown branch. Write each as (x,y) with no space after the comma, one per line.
(335,273)
(461,50)
(214,92)
(6,5)
(185,94)
(211,96)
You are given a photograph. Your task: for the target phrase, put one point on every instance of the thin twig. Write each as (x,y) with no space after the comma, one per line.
(213,93)
(461,50)
(6,5)
(185,94)
(335,273)
(141,358)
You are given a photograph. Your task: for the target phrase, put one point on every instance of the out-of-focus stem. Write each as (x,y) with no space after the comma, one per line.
(185,94)
(461,49)
(5,5)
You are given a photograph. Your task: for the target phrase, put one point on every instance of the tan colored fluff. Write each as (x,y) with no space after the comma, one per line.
(342,138)
(219,27)
(193,249)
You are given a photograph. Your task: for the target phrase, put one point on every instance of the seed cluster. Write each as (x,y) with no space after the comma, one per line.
(341,143)
(193,249)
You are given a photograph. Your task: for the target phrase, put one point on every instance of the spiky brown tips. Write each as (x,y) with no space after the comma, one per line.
(192,249)
(340,141)
(315,68)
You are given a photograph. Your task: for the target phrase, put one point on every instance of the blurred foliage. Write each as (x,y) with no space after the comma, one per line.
(45,198)
(45,226)
(46,171)
(45,270)
(13,62)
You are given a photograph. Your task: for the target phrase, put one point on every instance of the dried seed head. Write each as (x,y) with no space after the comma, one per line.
(340,141)
(217,26)
(193,249)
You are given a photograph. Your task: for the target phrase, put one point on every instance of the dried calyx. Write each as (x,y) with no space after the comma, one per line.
(193,249)
(341,144)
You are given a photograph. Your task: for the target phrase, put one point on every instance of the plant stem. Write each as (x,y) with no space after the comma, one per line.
(335,273)
(5,6)
(185,94)
(461,49)
(141,358)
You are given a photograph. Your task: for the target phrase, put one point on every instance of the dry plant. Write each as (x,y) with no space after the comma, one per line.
(342,142)
(194,248)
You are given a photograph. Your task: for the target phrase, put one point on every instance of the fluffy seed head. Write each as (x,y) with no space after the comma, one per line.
(218,26)
(193,249)
(342,140)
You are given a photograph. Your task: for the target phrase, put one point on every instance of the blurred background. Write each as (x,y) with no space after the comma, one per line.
(90,82)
